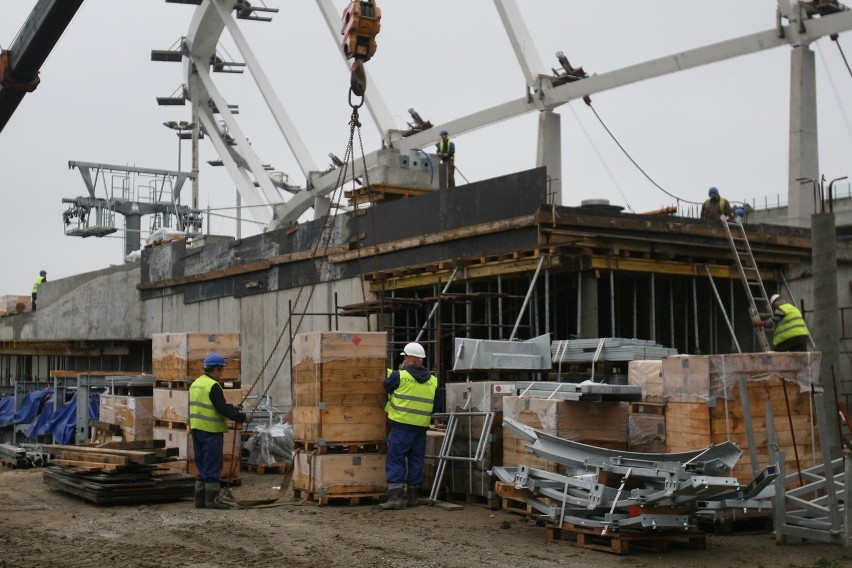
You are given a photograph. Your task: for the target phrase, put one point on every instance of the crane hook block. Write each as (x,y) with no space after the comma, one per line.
(361,22)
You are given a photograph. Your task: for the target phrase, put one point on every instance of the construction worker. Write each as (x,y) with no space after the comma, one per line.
(789,330)
(42,278)
(447,152)
(411,397)
(716,206)
(208,422)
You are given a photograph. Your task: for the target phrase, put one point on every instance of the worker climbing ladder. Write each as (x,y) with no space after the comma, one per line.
(749,274)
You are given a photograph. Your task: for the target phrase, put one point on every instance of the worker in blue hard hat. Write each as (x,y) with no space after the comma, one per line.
(447,153)
(208,422)
(716,206)
(41,279)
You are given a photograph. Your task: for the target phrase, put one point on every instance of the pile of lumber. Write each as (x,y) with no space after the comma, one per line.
(13,456)
(117,472)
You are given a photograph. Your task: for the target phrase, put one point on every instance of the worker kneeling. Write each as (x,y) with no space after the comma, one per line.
(411,397)
(208,422)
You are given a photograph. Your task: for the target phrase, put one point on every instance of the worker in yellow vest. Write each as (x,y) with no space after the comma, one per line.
(447,152)
(716,206)
(208,422)
(789,332)
(411,398)
(42,278)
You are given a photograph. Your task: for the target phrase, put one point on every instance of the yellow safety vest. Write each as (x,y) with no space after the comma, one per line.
(792,325)
(412,402)
(202,414)
(39,281)
(445,147)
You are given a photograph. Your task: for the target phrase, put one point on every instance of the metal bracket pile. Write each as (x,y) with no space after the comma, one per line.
(618,490)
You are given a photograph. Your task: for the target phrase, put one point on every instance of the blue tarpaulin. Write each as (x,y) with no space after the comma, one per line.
(31,405)
(7,410)
(42,424)
(63,423)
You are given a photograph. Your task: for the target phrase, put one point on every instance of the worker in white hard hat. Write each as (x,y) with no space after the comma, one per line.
(789,332)
(411,398)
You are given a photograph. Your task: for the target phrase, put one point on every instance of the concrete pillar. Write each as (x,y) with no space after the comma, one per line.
(804,158)
(549,153)
(132,232)
(826,324)
(589,306)
(322,205)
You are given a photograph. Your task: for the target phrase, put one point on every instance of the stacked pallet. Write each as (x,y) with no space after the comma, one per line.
(602,424)
(178,359)
(646,421)
(704,405)
(117,473)
(339,423)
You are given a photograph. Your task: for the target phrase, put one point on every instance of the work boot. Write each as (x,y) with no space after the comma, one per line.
(412,497)
(199,494)
(211,496)
(396,498)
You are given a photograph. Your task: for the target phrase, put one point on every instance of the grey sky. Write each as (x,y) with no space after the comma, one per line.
(724,124)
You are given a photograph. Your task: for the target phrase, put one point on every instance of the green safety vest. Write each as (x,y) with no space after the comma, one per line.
(412,402)
(792,325)
(39,281)
(202,414)
(445,147)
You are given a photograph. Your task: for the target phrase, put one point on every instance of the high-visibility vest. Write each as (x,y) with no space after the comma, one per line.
(202,414)
(791,325)
(445,147)
(412,402)
(39,281)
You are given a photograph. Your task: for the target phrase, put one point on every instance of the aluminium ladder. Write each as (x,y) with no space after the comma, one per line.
(749,274)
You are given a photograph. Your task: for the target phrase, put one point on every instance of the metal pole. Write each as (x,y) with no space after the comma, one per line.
(579,301)
(634,307)
(671,312)
(722,307)
(499,306)
(527,298)
(195,131)
(653,302)
(435,306)
(239,217)
(612,302)
(547,300)
(695,316)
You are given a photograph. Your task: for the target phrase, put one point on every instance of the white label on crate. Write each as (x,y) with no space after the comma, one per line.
(131,403)
(503,389)
(276,431)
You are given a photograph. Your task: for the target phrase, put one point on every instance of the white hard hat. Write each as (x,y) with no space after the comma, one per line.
(773,298)
(414,350)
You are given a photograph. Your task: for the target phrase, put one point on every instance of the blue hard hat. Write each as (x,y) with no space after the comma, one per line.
(43,273)
(713,191)
(214,360)
(443,132)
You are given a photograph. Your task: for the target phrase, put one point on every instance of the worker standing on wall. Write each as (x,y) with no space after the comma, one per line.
(716,206)
(42,278)
(447,152)
(208,422)
(789,330)
(411,398)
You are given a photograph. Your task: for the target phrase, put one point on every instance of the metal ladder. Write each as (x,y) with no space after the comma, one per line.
(749,274)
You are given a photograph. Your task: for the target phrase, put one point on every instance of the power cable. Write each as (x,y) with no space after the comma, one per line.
(601,159)
(834,86)
(834,38)
(588,102)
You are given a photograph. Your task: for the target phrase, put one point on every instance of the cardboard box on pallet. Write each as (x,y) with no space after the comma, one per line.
(133,413)
(602,424)
(180,356)
(338,395)
(704,404)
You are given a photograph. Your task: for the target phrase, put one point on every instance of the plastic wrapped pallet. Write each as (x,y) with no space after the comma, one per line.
(133,413)
(180,356)
(648,376)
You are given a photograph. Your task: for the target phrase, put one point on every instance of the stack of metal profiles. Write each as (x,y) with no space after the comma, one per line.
(586,391)
(607,349)
(617,490)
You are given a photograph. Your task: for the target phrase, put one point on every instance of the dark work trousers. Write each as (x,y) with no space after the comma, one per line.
(798,343)
(406,453)
(207,447)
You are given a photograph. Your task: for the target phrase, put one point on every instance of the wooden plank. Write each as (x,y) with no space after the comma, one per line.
(131,455)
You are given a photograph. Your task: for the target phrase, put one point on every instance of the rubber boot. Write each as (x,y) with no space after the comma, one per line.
(211,496)
(396,498)
(412,497)
(200,496)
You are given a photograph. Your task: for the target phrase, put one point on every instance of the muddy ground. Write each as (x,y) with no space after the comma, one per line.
(42,527)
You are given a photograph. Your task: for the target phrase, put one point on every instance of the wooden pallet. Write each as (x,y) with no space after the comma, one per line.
(351,499)
(492,503)
(263,468)
(341,447)
(737,522)
(623,542)
(174,425)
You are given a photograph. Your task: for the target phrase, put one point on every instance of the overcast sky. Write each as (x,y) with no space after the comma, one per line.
(725,124)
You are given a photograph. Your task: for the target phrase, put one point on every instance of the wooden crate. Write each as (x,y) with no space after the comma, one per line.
(602,424)
(648,376)
(338,395)
(696,419)
(646,425)
(132,413)
(180,356)
(172,405)
(339,474)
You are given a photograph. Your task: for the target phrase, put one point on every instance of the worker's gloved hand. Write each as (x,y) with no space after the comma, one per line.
(242,418)
(757,322)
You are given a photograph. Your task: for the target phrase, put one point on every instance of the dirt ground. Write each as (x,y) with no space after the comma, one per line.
(43,527)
